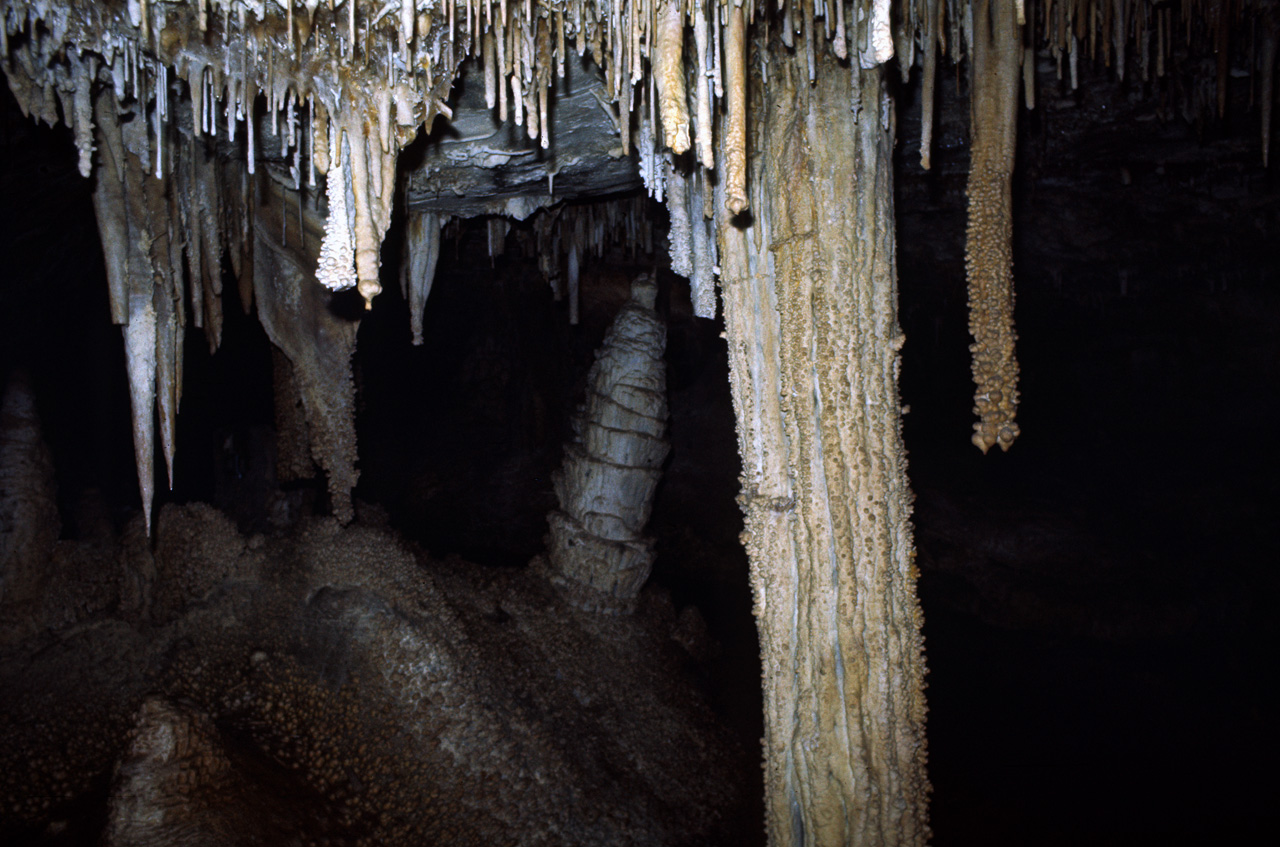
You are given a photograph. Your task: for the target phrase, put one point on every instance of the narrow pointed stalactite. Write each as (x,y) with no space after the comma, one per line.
(931,24)
(997,50)
(1270,34)
(422,243)
(810,302)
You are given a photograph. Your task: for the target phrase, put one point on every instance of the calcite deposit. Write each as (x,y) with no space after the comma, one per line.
(598,552)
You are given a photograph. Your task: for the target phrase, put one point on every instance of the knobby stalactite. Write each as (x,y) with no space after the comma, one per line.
(997,51)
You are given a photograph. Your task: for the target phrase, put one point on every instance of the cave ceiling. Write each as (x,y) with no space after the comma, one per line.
(450,110)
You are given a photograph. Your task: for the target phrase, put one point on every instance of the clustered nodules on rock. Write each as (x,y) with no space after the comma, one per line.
(997,51)
(598,553)
(326,687)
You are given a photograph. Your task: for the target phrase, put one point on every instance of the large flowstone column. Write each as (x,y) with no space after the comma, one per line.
(810,293)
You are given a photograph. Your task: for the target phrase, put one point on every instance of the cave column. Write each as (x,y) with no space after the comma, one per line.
(810,291)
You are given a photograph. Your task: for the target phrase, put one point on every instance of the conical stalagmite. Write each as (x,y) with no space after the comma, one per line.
(29,522)
(599,555)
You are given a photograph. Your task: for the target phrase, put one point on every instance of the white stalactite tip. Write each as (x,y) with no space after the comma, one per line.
(336,270)
(880,35)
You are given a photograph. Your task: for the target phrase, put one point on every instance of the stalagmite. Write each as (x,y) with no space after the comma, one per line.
(29,524)
(989,249)
(598,554)
(422,241)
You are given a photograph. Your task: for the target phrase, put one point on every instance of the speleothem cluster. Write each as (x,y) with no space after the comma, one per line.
(269,131)
(186,107)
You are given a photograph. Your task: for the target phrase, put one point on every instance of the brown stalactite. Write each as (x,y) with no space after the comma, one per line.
(809,290)
(669,73)
(997,50)
(1270,33)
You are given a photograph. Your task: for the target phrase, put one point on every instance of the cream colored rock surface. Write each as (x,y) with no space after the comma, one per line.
(598,552)
(810,296)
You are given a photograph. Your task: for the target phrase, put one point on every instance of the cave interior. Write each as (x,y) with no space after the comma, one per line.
(1100,655)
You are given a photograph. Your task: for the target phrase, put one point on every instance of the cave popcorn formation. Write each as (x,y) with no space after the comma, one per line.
(208,125)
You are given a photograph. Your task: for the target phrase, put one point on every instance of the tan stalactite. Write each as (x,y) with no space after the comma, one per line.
(809,291)
(1270,33)
(669,71)
(422,245)
(931,24)
(997,50)
(735,142)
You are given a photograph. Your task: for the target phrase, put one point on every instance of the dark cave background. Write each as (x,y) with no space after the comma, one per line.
(1098,601)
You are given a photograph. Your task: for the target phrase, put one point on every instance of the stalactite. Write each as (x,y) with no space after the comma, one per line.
(336,270)
(669,70)
(422,243)
(1267,70)
(702,89)
(932,23)
(680,232)
(809,295)
(735,142)
(988,252)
